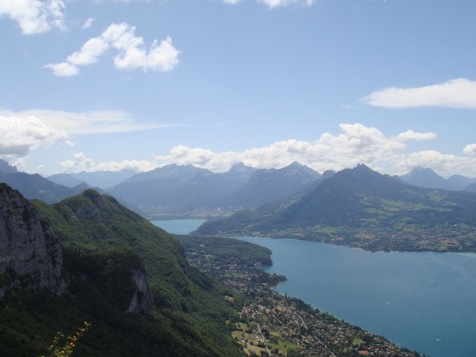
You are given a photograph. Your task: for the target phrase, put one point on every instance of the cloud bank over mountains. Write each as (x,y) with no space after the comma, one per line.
(354,145)
(23,132)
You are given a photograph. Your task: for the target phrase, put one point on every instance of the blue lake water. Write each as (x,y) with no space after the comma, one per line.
(422,301)
(179,226)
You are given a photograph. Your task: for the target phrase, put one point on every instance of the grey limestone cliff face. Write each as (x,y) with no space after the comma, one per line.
(30,252)
(141,302)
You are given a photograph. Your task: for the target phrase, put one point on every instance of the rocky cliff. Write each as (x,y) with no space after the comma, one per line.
(141,302)
(30,252)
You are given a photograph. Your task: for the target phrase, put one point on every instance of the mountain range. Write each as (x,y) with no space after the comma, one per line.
(36,186)
(360,207)
(186,191)
(179,190)
(98,179)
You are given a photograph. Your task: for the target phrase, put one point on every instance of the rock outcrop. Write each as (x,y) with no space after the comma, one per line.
(30,252)
(141,302)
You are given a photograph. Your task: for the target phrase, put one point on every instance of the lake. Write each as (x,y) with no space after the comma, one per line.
(422,301)
(179,226)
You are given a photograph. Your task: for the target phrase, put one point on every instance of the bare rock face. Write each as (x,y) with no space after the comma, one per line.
(141,302)
(30,253)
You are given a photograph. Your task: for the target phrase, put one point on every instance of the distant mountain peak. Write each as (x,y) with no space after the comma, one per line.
(296,164)
(424,177)
(239,167)
(6,168)
(363,168)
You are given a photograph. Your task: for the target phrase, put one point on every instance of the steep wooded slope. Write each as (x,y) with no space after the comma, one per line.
(174,311)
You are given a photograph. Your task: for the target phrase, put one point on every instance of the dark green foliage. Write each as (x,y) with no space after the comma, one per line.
(103,243)
(226,248)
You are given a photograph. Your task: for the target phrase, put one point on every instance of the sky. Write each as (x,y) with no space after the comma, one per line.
(90,85)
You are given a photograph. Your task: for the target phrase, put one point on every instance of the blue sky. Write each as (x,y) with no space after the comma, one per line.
(107,85)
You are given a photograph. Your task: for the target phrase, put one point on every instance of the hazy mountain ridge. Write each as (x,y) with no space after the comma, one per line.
(426,177)
(36,186)
(183,190)
(361,207)
(266,186)
(99,179)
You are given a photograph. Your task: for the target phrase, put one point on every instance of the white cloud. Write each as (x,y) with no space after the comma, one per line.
(231,2)
(88,23)
(99,122)
(281,3)
(20,135)
(444,164)
(89,52)
(455,93)
(123,1)
(81,162)
(356,144)
(132,52)
(470,149)
(34,16)
(410,135)
(63,69)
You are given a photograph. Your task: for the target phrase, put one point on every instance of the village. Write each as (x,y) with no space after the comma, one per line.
(271,324)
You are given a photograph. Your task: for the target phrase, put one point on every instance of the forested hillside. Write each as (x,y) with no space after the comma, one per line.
(126,277)
(360,207)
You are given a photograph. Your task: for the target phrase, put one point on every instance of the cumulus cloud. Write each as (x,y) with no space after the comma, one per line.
(81,162)
(34,16)
(20,135)
(455,93)
(470,149)
(444,164)
(98,122)
(131,52)
(231,2)
(355,144)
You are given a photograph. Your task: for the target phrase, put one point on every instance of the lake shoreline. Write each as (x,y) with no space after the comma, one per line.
(423,301)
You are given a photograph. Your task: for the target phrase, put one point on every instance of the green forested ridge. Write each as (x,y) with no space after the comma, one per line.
(102,243)
(224,248)
(361,207)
